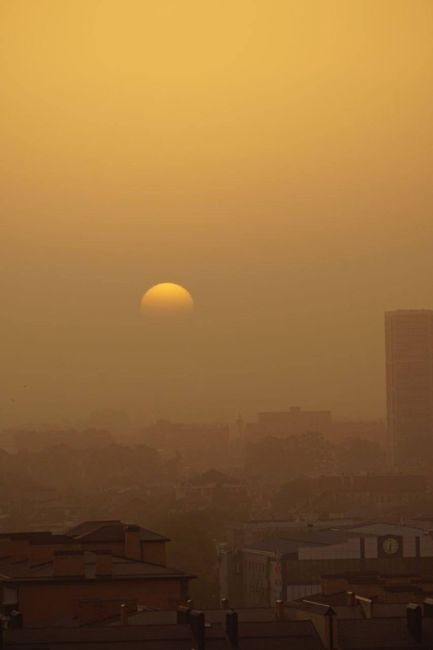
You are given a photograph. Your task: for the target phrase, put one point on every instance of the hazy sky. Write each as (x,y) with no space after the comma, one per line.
(274,156)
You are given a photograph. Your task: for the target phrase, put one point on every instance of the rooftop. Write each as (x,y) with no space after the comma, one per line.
(24,570)
(110,531)
(275,635)
(290,542)
(378,633)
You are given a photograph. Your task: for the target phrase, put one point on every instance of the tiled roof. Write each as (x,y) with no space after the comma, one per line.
(378,633)
(277,635)
(87,526)
(149,637)
(247,614)
(321,537)
(339,603)
(290,541)
(109,531)
(122,568)
(337,598)
(281,629)
(275,545)
(378,529)
(103,533)
(26,535)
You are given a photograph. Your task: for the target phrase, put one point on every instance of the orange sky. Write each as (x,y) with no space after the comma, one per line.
(274,156)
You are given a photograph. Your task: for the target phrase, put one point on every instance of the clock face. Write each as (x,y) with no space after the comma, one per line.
(390,545)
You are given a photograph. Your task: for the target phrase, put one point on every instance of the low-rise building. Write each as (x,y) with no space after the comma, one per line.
(87,571)
(362,623)
(305,625)
(182,630)
(292,564)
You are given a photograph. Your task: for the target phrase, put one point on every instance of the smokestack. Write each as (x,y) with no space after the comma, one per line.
(197,628)
(124,614)
(232,629)
(414,621)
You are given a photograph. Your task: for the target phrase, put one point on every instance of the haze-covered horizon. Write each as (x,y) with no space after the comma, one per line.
(272,157)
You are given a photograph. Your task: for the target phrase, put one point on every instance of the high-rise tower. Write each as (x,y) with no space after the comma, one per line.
(409,386)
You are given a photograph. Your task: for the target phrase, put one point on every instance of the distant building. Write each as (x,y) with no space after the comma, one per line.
(291,564)
(199,446)
(409,386)
(211,488)
(297,421)
(374,430)
(292,422)
(364,494)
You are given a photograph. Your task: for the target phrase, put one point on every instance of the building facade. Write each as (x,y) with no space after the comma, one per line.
(292,565)
(409,386)
(85,574)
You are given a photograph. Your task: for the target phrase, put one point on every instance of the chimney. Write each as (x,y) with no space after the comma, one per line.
(232,629)
(428,607)
(414,621)
(183,614)
(68,564)
(124,614)
(15,620)
(366,605)
(103,564)
(279,610)
(224,603)
(197,628)
(351,598)
(133,543)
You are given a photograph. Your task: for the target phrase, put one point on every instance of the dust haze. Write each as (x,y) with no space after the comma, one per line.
(282,177)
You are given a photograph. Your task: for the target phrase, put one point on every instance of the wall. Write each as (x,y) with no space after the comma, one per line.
(154,552)
(309,571)
(255,571)
(50,601)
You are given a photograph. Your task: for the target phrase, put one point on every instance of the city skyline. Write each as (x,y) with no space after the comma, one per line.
(135,417)
(216,329)
(283,179)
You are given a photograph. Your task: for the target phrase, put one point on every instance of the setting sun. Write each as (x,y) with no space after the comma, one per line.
(167,297)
